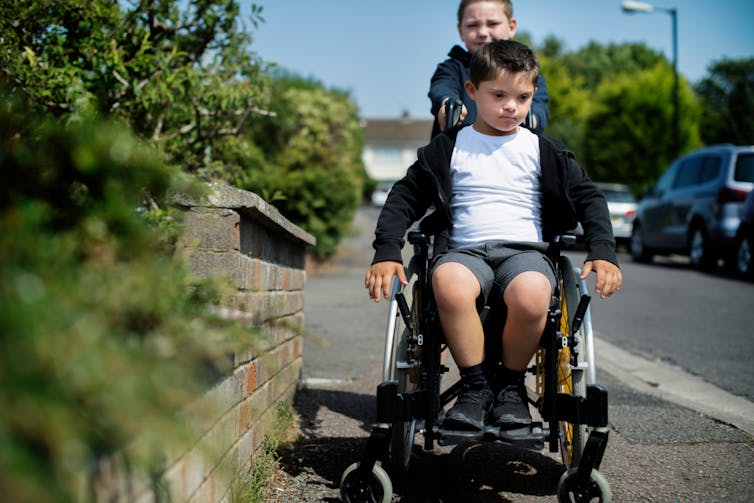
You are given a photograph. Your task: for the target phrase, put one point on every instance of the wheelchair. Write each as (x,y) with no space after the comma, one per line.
(573,408)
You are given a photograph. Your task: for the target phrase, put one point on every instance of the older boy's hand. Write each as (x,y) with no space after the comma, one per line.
(609,277)
(442,118)
(379,277)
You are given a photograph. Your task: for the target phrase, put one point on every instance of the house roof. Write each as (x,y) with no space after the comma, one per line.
(397,131)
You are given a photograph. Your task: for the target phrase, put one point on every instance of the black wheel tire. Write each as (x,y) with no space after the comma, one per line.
(699,253)
(743,260)
(355,488)
(402,432)
(636,246)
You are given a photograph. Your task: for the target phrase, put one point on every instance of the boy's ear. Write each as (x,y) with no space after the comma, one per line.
(512,24)
(460,33)
(470,89)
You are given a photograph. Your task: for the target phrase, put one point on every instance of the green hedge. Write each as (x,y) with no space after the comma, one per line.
(100,332)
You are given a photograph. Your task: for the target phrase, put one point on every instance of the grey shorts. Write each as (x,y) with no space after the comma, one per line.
(496,263)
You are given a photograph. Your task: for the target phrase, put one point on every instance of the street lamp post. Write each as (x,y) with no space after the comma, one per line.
(631,6)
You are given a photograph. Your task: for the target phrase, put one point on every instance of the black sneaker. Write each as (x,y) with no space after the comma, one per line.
(511,408)
(470,410)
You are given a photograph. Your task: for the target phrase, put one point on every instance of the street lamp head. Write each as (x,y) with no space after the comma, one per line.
(633,6)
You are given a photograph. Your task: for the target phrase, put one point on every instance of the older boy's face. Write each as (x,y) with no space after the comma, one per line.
(484,22)
(502,103)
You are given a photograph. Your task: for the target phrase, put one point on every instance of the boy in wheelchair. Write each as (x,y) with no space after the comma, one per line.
(500,193)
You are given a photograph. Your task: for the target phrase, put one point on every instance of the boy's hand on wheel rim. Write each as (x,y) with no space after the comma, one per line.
(609,277)
(379,277)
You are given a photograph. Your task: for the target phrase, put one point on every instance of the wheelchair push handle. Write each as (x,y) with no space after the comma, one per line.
(453,107)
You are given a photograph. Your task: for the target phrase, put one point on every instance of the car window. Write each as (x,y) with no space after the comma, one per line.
(744,168)
(619,196)
(711,167)
(689,172)
(665,182)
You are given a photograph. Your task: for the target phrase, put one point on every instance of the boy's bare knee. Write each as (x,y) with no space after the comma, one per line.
(454,284)
(529,294)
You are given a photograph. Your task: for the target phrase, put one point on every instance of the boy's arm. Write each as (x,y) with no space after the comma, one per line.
(444,84)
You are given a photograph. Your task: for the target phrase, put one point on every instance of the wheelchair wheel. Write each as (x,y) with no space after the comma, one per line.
(572,490)
(373,488)
(407,372)
(571,380)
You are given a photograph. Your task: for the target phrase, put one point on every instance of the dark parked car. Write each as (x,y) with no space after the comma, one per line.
(745,239)
(695,206)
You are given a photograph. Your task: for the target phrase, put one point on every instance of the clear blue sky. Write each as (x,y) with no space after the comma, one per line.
(384,52)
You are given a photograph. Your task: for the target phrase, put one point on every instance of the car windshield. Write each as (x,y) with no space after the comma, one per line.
(745,168)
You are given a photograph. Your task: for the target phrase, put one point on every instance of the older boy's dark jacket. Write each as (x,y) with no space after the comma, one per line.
(449,77)
(568,195)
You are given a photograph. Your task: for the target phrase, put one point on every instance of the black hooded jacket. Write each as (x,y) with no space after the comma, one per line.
(568,196)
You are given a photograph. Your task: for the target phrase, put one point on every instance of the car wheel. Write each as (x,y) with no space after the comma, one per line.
(699,253)
(744,247)
(636,246)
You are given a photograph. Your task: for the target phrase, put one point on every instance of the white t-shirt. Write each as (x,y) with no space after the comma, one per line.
(496,188)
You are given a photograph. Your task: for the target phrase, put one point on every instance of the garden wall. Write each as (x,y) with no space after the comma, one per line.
(236,234)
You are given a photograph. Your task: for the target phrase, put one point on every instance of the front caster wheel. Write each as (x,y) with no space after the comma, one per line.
(375,487)
(573,490)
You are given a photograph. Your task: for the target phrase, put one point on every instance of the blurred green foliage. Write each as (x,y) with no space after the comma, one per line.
(613,106)
(101,334)
(727,95)
(185,77)
(312,146)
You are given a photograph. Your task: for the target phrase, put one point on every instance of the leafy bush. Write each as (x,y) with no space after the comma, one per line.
(100,333)
(312,147)
(184,76)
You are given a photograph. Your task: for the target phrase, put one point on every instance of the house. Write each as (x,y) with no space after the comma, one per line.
(390,145)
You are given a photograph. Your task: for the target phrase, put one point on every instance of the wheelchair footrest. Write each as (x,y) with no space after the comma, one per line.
(530,437)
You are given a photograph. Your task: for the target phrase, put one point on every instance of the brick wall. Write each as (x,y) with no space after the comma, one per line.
(236,234)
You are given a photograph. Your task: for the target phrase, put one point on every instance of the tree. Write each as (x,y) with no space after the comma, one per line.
(312,146)
(727,97)
(629,136)
(181,74)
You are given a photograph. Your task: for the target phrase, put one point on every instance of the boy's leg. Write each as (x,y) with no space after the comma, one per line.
(528,299)
(527,296)
(456,290)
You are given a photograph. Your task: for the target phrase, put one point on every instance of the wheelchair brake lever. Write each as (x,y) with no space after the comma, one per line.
(405,312)
(578,316)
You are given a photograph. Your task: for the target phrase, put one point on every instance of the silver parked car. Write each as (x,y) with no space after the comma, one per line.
(695,206)
(621,204)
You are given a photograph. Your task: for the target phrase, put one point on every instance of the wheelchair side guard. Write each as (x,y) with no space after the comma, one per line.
(393,406)
(591,410)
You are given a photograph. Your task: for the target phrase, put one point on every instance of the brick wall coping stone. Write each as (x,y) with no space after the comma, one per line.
(224,196)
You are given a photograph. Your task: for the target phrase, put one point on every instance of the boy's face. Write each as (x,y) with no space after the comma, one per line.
(502,103)
(484,22)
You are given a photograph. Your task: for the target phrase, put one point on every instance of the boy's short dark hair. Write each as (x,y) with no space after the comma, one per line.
(507,8)
(499,55)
